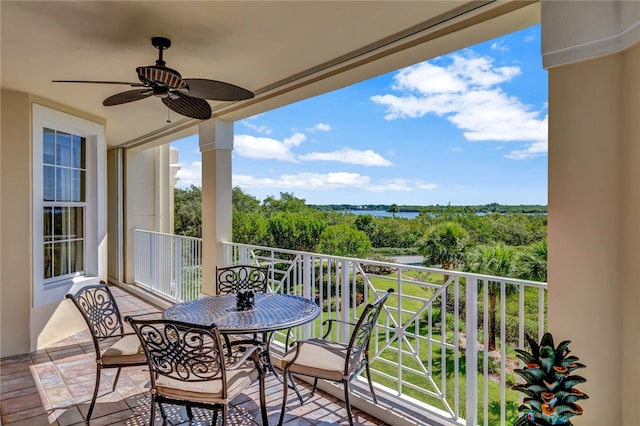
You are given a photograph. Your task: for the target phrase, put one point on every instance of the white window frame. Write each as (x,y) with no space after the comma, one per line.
(95,248)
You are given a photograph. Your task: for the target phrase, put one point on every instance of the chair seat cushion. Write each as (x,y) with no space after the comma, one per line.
(209,391)
(318,358)
(126,350)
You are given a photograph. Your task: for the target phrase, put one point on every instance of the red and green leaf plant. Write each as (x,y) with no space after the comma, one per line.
(550,385)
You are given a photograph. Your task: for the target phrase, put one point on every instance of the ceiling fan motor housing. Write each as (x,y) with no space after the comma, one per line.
(161,75)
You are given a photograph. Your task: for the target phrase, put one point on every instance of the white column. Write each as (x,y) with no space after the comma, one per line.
(591,52)
(174,168)
(216,144)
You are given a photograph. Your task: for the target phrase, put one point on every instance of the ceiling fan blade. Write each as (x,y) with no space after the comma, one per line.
(99,82)
(216,90)
(188,106)
(128,96)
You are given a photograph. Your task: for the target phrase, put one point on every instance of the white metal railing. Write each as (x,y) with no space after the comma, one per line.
(169,265)
(419,355)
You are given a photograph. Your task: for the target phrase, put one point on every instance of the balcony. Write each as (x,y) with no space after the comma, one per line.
(420,355)
(54,387)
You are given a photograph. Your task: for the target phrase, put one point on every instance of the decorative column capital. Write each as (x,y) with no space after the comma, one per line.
(574,31)
(216,134)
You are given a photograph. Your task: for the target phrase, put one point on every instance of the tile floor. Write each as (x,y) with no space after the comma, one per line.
(54,387)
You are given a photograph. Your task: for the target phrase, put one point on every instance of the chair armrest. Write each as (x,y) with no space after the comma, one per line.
(330,321)
(144,314)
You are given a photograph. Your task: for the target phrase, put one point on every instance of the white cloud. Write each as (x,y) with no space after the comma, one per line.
(456,149)
(328,181)
(264,130)
(267,148)
(427,186)
(349,156)
(320,127)
(534,150)
(467,93)
(500,46)
(189,175)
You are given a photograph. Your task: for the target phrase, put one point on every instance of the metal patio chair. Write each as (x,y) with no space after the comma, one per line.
(187,367)
(338,362)
(114,348)
(232,279)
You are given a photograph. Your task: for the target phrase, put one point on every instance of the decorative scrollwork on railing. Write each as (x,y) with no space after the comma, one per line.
(100,310)
(232,279)
(180,351)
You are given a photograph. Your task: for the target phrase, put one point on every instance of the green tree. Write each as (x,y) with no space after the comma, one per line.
(444,244)
(296,230)
(286,203)
(344,240)
(243,202)
(187,216)
(533,262)
(393,209)
(250,228)
(499,260)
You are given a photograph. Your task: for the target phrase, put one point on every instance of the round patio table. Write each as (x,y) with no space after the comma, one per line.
(272,312)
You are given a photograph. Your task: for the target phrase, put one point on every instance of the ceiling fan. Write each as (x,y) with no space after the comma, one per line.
(185,96)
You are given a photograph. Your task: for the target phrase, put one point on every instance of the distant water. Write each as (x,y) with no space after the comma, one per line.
(383,213)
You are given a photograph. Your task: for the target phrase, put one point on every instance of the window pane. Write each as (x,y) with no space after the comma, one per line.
(63,149)
(77,152)
(59,219)
(49,183)
(48,260)
(83,180)
(60,257)
(47,223)
(77,183)
(76,256)
(63,184)
(49,146)
(76,219)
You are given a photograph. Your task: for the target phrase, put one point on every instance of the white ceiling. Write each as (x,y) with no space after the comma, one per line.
(283,51)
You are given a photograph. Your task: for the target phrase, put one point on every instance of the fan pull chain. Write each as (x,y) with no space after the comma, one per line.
(168,118)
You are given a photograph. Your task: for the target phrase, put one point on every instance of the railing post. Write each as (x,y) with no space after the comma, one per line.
(306,288)
(177,274)
(153,263)
(471,354)
(344,299)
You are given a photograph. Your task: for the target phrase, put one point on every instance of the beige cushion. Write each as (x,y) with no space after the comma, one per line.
(318,358)
(125,351)
(209,391)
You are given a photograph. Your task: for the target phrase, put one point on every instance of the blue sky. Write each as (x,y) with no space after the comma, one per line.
(465,128)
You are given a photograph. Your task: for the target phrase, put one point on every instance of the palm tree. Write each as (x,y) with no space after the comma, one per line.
(499,260)
(533,262)
(444,244)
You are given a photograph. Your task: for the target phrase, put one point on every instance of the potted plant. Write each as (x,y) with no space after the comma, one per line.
(549,388)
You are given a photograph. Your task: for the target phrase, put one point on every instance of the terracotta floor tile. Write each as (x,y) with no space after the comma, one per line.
(43,419)
(54,387)
(11,417)
(68,416)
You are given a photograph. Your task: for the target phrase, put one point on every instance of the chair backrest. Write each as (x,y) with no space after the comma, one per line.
(361,335)
(232,279)
(99,309)
(182,351)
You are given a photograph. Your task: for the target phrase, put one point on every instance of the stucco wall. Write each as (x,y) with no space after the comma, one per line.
(15,222)
(630,186)
(594,206)
(24,328)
